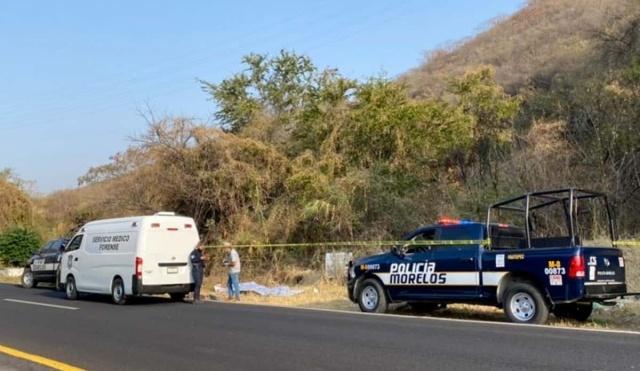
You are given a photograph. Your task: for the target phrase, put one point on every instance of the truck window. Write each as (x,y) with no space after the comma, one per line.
(54,246)
(509,237)
(428,235)
(74,244)
(46,246)
(460,232)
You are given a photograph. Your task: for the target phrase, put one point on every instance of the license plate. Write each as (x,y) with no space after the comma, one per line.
(38,265)
(172,270)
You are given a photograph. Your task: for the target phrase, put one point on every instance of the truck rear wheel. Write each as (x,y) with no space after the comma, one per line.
(371,297)
(117,291)
(525,304)
(576,311)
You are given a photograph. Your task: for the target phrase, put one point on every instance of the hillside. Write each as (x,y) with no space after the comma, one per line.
(545,38)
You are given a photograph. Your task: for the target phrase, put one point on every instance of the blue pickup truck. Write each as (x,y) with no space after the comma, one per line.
(549,256)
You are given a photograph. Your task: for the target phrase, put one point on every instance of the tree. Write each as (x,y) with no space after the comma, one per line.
(275,87)
(493,111)
(16,207)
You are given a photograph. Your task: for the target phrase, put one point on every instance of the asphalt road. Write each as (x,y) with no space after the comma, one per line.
(155,334)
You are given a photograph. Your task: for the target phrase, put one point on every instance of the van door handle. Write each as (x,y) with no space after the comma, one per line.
(75,259)
(466,259)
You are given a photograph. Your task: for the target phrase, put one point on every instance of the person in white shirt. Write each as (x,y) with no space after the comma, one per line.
(232,261)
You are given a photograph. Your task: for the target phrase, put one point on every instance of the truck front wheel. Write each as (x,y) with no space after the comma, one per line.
(27,279)
(525,304)
(371,297)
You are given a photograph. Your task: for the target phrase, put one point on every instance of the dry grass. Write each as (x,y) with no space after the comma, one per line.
(12,280)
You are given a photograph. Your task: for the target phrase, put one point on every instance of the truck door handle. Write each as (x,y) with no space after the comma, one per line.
(466,259)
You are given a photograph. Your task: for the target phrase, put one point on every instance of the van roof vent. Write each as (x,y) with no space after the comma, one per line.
(165,213)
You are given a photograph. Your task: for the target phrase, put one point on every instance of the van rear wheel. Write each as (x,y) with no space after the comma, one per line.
(117,292)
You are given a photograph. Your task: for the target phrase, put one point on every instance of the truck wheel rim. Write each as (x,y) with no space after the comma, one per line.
(522,306)
(369,297)
(70,288)
(27,278)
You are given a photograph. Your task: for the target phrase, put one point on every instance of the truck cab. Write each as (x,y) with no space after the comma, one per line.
(548,256)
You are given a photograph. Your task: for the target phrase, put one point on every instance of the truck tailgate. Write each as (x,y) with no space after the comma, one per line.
(605,272)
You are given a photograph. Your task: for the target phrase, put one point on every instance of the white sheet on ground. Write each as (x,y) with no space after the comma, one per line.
(282,290)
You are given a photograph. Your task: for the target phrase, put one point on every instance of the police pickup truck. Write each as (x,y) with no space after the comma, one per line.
(43,265)
(544,259)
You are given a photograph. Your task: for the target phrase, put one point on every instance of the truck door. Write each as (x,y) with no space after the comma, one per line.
(459,263)
(402,282)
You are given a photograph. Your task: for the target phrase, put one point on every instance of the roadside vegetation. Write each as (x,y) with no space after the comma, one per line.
(18,221)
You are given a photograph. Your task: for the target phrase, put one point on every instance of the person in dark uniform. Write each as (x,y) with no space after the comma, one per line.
(197,259)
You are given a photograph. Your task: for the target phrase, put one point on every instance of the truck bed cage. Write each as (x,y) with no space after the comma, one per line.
(568,197)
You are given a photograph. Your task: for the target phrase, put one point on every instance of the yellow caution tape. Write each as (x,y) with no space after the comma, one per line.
(627,243)
(487,242)
(360,244)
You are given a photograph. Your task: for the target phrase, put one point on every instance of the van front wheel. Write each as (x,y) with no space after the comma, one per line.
(70,288)
(117,292)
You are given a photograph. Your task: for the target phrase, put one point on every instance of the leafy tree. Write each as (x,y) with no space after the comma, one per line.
(275,87)
(494,112)
(16,207)
(17,245)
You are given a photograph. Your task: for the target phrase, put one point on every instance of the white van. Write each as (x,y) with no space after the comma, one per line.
(130,256)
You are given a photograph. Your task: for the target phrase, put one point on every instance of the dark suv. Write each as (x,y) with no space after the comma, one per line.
(43,265)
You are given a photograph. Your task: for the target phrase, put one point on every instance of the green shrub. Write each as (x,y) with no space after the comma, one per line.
(17,245)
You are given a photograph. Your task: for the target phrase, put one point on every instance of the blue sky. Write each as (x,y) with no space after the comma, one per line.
(75,74)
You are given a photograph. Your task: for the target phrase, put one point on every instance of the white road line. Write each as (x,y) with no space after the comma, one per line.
(41,304)
(428,318)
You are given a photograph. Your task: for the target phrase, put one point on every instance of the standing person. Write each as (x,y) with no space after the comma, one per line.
(232,261)
(197,258)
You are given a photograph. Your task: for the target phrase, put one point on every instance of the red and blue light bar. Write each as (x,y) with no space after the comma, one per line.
(450,221)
